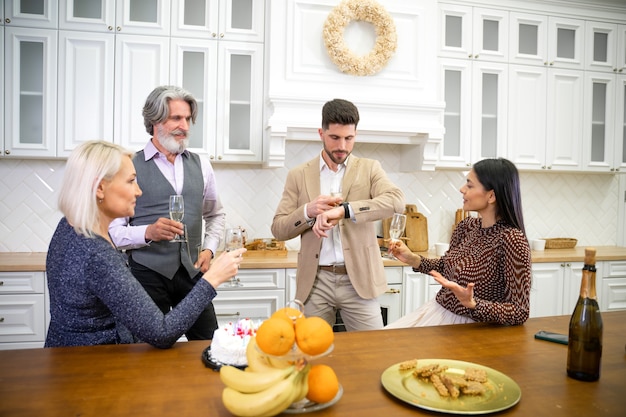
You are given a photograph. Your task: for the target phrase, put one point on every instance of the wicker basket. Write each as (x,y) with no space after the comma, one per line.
(560,243)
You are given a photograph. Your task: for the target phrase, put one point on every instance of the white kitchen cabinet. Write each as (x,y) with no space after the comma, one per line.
(604,122)
(86,64)
(391,300)
(476,111)
(28,13)
(605,50)
(30,77)
(232,20)
(555,288)
(548,41)
(416,289)
(620,124)
(612,285)
(114,52)
(227,80)
(23,307)
(262,293)
(141,64)
(473,33)
(2,85)
(474,86)
(545,124)
(116,16)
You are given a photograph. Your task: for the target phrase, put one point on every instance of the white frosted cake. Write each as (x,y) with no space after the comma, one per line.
(230,341)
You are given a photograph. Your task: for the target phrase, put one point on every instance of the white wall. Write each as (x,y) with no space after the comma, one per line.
(583,206)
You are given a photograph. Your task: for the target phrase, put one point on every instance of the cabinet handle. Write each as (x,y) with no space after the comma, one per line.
(110,27)
(1,283)
(213,35)
(552,63)
(392,291)
(476,56)
(221,35)
(1,319)
(237,314)
(7,152)
(7,20)
(119,28)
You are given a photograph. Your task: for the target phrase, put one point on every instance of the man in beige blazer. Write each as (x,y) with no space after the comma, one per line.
(339,263)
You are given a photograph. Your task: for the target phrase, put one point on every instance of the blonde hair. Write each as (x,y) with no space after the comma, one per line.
(87,166)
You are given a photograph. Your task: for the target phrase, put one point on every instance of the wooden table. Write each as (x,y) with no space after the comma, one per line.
(140,380)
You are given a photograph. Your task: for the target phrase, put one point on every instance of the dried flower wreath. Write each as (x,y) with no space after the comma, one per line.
(386,37)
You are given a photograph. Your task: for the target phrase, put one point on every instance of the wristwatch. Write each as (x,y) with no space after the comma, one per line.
(346,207)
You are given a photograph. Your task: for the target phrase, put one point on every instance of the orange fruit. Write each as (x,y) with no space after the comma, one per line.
(323,384)
(289,314)
(314,335)
(275,336)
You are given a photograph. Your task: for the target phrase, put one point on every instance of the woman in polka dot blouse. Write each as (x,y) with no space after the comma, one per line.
(486,273)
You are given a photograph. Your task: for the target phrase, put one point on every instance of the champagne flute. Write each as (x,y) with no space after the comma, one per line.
(335,187)
(233,241)
(396,228)
(177,212)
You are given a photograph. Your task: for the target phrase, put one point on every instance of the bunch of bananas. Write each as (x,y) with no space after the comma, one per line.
(263,389)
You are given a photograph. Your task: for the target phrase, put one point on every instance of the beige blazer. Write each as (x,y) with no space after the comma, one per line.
(372,197)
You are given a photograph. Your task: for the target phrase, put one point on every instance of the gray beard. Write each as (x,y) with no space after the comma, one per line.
(169,142)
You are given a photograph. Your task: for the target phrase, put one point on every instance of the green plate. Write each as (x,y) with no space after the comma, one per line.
(502,392)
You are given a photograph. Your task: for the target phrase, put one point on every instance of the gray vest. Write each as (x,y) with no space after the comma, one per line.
(166,257)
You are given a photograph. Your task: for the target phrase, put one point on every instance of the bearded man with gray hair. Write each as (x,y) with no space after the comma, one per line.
(169,270)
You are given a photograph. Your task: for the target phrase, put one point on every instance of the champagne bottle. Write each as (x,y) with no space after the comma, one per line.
(584,349)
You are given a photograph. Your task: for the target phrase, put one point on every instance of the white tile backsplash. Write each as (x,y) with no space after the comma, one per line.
(582,206)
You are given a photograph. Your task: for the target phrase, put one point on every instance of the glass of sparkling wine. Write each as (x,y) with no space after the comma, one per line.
(335,187)
(396,228)
(232,241)
(177,212)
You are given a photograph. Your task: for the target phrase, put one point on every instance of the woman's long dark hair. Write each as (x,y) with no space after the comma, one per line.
(501,176)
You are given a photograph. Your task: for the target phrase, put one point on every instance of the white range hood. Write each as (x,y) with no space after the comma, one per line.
(400,105)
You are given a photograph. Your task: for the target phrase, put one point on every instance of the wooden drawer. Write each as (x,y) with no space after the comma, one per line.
(22,318)
(22,282)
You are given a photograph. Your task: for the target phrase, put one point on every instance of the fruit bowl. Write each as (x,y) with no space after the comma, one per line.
(295,354)
(306,406)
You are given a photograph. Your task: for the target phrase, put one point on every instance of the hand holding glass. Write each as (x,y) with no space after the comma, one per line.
(396,228)
(233,241)
(177,212)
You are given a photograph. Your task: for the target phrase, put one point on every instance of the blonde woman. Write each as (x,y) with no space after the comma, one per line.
(94,298)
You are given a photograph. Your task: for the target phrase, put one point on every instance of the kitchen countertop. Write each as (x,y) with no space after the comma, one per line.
(36,261)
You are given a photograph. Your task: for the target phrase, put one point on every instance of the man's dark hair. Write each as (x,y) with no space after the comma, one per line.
(341,112)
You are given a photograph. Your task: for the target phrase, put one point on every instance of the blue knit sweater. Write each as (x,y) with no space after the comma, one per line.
(94,298)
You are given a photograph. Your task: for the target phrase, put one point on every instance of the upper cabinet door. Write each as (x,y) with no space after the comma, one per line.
(473,33)
(548,41)
(88,15)
(528,39)
(490,35)
(602,47)
(31,13)
(456,31)
(566,42)
(194,18)
(151,17)
(141,64)
(621,49)
(242,20)
(30,91)
(233,20)
(86,64)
